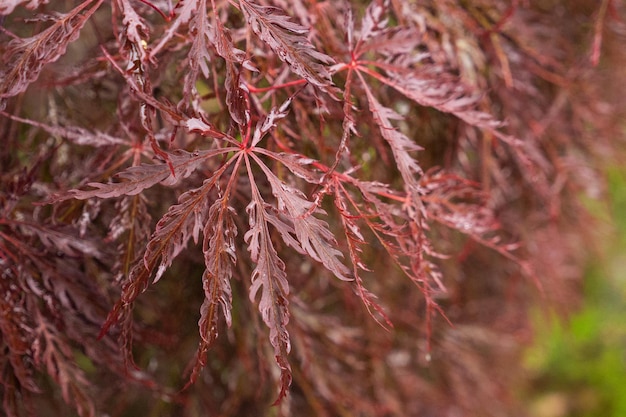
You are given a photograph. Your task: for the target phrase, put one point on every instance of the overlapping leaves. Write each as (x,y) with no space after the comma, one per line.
(258,194)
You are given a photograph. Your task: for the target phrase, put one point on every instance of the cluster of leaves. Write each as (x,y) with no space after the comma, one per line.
(368,187)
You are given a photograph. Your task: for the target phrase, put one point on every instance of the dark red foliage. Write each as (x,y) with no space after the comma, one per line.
(338,208)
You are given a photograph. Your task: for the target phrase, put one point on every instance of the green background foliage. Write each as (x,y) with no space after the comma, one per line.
(578,363)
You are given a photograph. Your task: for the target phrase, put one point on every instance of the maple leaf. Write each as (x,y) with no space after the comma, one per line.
(133,220)
(288,40)
(56,354)
(184,12)
(26,58)
(399,143)
(135,34)
(408,71)
(74,134)
(355,240)
(312,233)
(183,221)
(331,187)
(236,92)
(199,53)
(269,276)
(138,178)
(7,6)
(219,256)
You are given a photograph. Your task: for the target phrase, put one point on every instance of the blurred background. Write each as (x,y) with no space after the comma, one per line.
(577,364)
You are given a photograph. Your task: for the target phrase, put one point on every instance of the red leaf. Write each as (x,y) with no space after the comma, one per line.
(269,276)
(219,256)
(182,222)
(313,234)
(25,58)
(138,178)
(236,94)
(74,134)
(355,240)
(199,54)
(7,6)
(399,143)
(288,40)
(184,12)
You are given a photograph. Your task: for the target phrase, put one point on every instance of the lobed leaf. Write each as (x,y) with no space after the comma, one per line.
(312,233)
(288,40)
(296,163)
(219,256)
(138,178)
(25,58)
(183,221)
(373,22)
(355,241)
(199,54)
(135,34)
(74,134)
(236,92)
(184,11)
(7,6)
(132,223)
(400,144)
(269,276)
(431,86)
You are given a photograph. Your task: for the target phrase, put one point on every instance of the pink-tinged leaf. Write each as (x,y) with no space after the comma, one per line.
(202,126)
(312,233)
(74,134)
(138,178)
(355,241)
(7,6)
(376,36)
(270,121)
(200,53)
(400,144)
(431,86)
(65,241)
(296,163)
(236,92)
(373,22)
(395,41)
(288,40)
(184,12)
(269,276)
(219,256)
(24,59)
(136,32)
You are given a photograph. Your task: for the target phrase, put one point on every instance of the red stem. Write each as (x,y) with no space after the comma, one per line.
(254,89)
(147,3)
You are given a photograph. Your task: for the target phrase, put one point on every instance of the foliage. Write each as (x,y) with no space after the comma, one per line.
(357,203)
(578,364)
